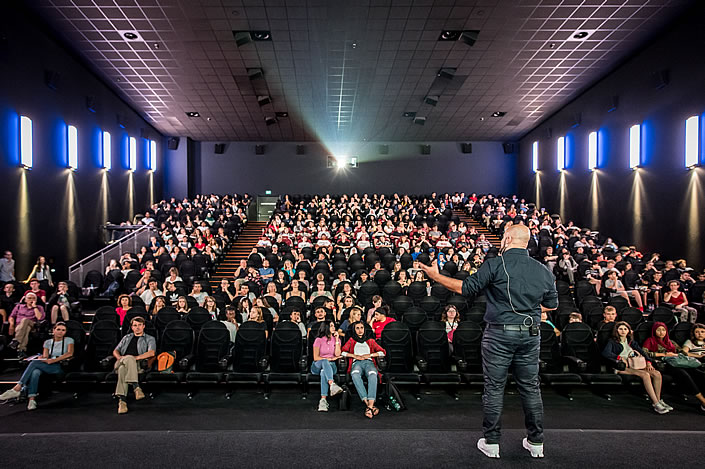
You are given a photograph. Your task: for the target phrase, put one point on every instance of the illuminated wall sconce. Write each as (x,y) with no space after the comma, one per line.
(72,150)
(26,157)
(692,127)
(560,152)
(152,155)
(635,146)
(107,151)
(592,151)
(132,154)
(535,157)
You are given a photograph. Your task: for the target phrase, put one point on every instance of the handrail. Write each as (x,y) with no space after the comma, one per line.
(96,261)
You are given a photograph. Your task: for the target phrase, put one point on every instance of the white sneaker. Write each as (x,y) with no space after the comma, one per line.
(660,409)
(491,451)
(666,406)
(32,404)
(535,450)
(9,394)
(323,405)
(335,389)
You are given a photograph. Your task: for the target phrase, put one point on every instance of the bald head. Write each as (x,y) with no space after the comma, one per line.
(516,236)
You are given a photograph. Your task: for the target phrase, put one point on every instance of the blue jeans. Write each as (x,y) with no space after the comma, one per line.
(327,370)
(501,350)
(30,377)
(367,368)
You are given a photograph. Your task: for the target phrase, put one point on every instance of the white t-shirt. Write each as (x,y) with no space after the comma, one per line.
(58,348)
(361,348)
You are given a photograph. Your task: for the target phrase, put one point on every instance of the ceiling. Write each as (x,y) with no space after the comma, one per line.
(348,70)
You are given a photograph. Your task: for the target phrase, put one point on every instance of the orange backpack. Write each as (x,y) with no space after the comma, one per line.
(165,362)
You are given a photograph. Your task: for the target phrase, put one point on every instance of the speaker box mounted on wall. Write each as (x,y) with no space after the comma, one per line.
(300,149)
(466,147)
(51,79)
(172,143)
(509,148)
(91,103)
(259,149)
(383,149)
(425,149)
(219,148)
(660,79)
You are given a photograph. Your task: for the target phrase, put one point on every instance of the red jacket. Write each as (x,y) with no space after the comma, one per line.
(349,347)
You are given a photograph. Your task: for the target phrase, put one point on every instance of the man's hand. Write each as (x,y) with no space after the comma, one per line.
(430,271)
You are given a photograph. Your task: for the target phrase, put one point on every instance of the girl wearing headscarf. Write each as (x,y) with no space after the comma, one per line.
(362,353)
(690,380)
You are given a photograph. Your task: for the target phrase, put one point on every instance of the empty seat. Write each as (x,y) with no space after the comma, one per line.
(664,315)
(400,305)
(382,277)
(619,303)
(287,363)
(197,317)
(249,354)
(416,291)
(632,316)
(106,313)
(212,354)
(178,338)
(440,292)
(398,363)
(467,352)
(391,291)
(431,306)
(580,353)
(98,358)
(433,353)
(551,367)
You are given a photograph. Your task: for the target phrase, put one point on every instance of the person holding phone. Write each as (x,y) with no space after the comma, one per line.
(326,350)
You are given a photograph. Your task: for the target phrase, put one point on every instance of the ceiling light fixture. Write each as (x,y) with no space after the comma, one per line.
(449,35)
(269,120)
(130,35)
(499,114)
(581,34)
(282,114)
(193,114)
(261,35)
(409,114)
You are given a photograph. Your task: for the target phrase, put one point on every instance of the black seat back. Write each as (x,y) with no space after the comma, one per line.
(577,341)
(397,342)
(604,334)
(619,303)
(432,342)
(197,317)
(643,331)
(681,332)
(400,305)
(416,291)
(287,348)
(178,337)
(250,346)
(460,303)
(102,340)
(632,316)
(106,313)
(431,306)
(391,291)
(367,291)
(74,329)
(467,344)
(664,315)
(164,317)
(212,347)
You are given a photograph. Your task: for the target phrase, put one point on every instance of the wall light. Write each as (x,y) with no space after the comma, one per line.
(26,159)
(152,155)
(132,154)
(560,151)
(107,151)
(635,146)
(592,151)
(535,157)
(692,126)
(72,142)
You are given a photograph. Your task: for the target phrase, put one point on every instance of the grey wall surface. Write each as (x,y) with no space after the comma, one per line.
(176,170)
(50,210)
(659,206)
(404,169)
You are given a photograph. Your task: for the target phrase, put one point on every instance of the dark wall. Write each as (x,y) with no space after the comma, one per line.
(176,170)
(658,207)
(50,210)
(404,169)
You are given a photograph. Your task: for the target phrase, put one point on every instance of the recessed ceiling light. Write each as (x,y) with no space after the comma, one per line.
(581,34)
(261,35)
(281,114)
(209,119)
(130,35)
(499,114)
(193,114)
(409,114)
(269,120)
(353,45)
(449,35)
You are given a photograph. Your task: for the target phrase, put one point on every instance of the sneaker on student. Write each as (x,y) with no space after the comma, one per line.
(32,404)
(666,406)
(139,394)
(489,450)
(122,407)
(9,394)
(14,344)
(323,405)
(335,389)
(660,409)
(535,450)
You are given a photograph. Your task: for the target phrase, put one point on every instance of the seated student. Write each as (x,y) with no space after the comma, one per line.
(151,292)
(23,318)
(380,320)
(157,305)
(60,302)
(695,346)
(244,292)
(376,303)
(210,305)
(34,288)
(130,351)
(623,346)
(362,360)
(354,315)
(54,351)
(124,303)
(691,381)
(451,319)
(172,294)
(295,317)
(616,288)
(575,317)
(243,308)
(609,314)
(678,300)
(182,305)
(264,304)
(321,291)
(319,315)
(547,320)
(226,289)
(198,293)
(272,291)
(231,322)
(266,273)
(8,299)
(326,350)
(257,315)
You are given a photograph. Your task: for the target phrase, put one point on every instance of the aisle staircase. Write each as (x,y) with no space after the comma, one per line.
(240,249)
(491,237)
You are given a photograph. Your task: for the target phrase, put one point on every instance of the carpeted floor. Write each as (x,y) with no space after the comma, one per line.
(436,431)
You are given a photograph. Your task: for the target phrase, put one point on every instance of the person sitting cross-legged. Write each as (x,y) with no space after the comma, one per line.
(362,357)
(54,352)
(132,349)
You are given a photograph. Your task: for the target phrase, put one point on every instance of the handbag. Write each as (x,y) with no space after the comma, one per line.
(636,362)
(682,361)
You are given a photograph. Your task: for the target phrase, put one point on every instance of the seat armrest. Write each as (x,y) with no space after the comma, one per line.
(105,363)
(342,364)
(576,363)
(461,364)
(303,363)
(185,362)
(263,363)
(421,363)
(382,363)
(543,366)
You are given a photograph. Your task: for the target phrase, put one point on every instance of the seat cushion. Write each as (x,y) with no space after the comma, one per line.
(243,377)
(601,378)
(205,378)
(560,378)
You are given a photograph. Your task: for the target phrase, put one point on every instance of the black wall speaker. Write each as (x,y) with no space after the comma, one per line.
(660,79)
(91,103)
(259,149)
(384,149)
(51,79)
(466,147)
(300,149)
(509,148)
(172,143)
(425,149)
(219,148)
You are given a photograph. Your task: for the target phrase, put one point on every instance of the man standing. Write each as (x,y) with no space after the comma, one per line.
(7,268)
(517,288)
